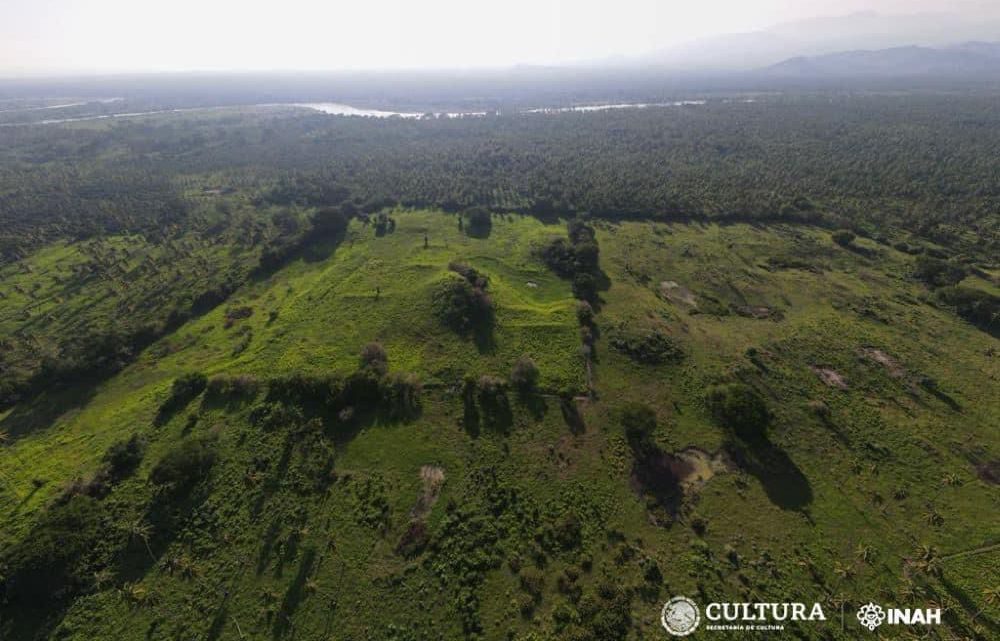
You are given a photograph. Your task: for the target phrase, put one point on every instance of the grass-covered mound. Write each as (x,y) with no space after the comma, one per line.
(736,414)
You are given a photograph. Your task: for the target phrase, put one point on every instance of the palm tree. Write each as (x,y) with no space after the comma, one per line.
(102,577)
(991,597)
(864,553)
(845,572)
(142,531)
(928,560)
(932,516)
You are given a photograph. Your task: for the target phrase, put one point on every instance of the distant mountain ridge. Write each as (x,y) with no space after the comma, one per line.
(967,59)
(828,35)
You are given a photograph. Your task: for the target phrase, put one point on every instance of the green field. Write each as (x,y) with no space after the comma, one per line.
(539,520)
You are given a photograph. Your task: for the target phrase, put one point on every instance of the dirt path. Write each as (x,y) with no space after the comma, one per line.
(977,550)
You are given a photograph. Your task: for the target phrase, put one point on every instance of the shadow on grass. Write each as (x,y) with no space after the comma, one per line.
(44,409)
(294,595)
(970,607)
(571,415)
(166,516)
(784,483)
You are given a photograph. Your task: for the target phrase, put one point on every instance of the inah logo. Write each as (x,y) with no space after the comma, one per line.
(680,616)
(871,616)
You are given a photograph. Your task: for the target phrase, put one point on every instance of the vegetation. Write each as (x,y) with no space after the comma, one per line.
(527,380)
(738,407)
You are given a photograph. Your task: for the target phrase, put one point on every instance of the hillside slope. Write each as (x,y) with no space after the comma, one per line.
(306,495)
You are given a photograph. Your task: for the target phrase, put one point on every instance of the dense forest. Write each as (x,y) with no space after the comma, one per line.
(878,164)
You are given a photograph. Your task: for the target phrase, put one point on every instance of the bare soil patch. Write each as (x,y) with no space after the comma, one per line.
(881,358)
(829,376)
(760,312)
(676,293)
(989,471)
(433,478)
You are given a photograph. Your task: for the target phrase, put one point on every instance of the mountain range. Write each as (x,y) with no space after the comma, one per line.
(968,59)
(862,32)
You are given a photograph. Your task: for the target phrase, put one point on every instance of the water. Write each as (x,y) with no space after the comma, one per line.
(340,109)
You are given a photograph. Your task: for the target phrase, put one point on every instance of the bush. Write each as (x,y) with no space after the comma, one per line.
(976,306)
(232,386)
(123,457)
(843,237)
(739,407)
(480,222)
(560,257)
(183,391)
(462,306)
(329,223)
(524,374)
(400,395)
(585,286)
(51,563)
(639,421)
(373,356)
(938,273)
(186,465)
(652,348)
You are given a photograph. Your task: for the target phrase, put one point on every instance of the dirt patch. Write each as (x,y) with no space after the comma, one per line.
(989,472)
(669,478)
(830,377)
(676,293)
(695,467)
(759,312)
(432,478)
(881,358)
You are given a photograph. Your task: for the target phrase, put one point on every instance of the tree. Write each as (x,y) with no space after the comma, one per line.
(843,237)
(480,222)
(738,407)
(639,421)
(524,374)
(373,356)
(329,222)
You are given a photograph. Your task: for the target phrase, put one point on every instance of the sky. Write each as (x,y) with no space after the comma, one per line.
(109,36)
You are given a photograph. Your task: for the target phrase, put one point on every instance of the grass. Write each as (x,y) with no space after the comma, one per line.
(274,560)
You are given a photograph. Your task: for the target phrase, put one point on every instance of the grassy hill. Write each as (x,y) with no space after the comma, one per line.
(287,499)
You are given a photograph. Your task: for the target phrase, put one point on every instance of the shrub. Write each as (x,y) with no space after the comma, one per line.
(843,237)
(524,374)
(651,348)
(123,457)
(183,391)
(938,273)
(242,385)
(469,273)
(738,407)
(400,395)
(639,421)
(329,223)
(585,286)
(51,563)
(492,390)
(480,222)
(533,582)
(559,256)
(584,313)
(186,465)
(373,356)
(462,306)
(976,306)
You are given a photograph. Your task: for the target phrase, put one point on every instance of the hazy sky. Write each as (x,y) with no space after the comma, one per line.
(49,36)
